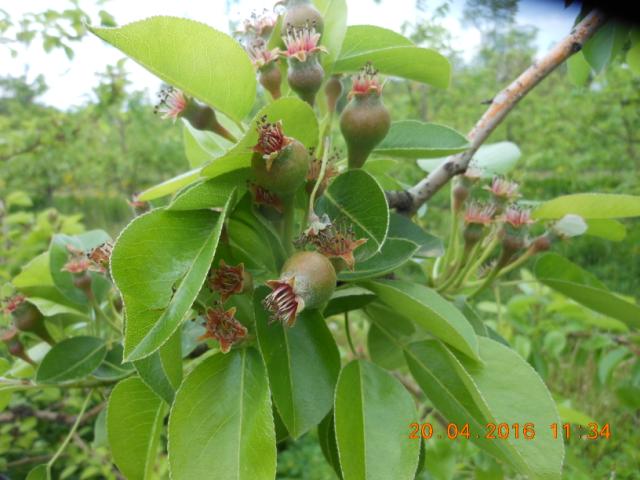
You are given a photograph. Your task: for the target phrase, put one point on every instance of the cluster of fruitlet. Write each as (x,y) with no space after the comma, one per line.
(487,225)
(281,165)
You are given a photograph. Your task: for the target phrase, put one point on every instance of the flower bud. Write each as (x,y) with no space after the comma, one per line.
(365,121)
(307,280)
(280,163)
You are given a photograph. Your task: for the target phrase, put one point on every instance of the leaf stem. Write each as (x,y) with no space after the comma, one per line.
(11,384)
(69,435)
(493,243)
(323,167)
(348,334)
(102,315)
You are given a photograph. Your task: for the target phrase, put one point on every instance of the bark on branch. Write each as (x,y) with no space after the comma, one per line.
(408,201)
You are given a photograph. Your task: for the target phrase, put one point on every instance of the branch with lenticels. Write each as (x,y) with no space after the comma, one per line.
(408,201)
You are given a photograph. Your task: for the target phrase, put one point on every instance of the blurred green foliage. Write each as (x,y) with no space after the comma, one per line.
(88,157)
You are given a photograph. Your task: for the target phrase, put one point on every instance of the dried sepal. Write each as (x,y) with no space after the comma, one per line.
(271,140)
(302,42)
(517,217)
(366,82)
(227,280)
(333,241)
(479,214)
(11,304)
(283,302)
(503,190)
(172,103)
(262,196)
(222,326)
(261,56)
(100,257)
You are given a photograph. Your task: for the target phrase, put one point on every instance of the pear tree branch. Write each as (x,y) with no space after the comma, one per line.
(408,201)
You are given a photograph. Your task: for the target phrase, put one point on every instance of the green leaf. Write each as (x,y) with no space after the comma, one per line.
(200,146)
(170,186)
(328,444)
(36,283)
(134,423)
(428,310)
(71,359)
(221,425)
(402,227)
(112,367)
(334,14)
(50,308)
(415,139)
(590,206)
(607,228)
(34,273)
(609,361)
(389,333)
(569,279)
(373,412)
(355,199)
(492,159)
(212,193)
(633,58)
(59,255)
(298,121)
(571,415)
(578,69)
(605,44)
(348,298)
(395,252)
(303,363)
(159,263)
(39,472)
(391,54)
(249,232)
(504,389)
(191,56)
(162,370)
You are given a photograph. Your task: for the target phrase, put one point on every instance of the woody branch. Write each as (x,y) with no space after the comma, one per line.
(408,201)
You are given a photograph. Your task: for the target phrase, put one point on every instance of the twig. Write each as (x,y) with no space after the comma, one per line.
(408,201)
(28,460)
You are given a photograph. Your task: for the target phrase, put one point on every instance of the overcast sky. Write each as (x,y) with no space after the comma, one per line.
(71,82)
